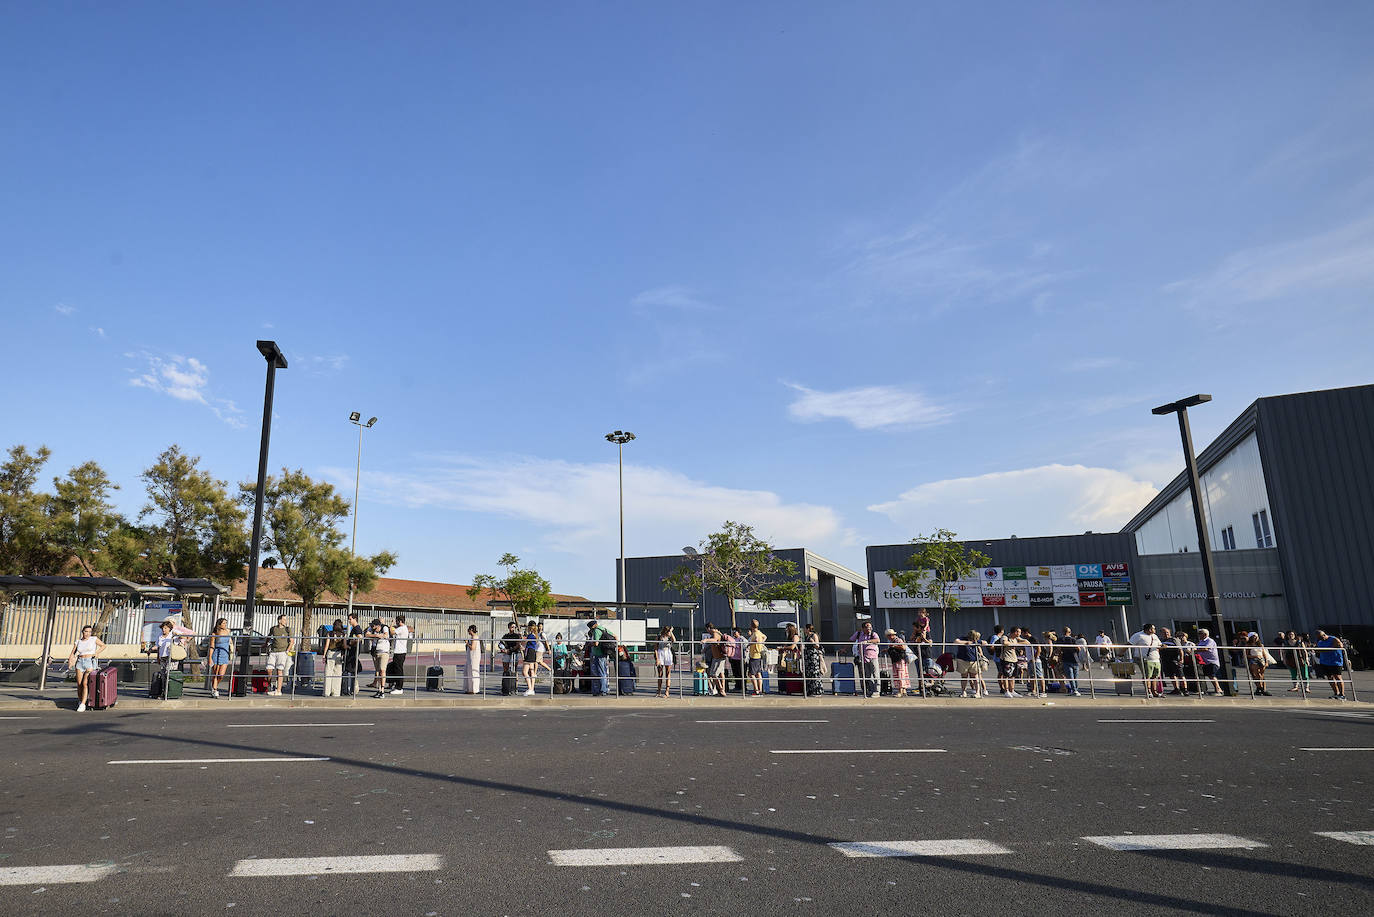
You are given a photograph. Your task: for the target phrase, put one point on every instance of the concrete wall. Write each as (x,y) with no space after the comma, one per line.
(1170,588)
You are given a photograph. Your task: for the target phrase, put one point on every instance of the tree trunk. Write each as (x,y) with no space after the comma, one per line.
(306,619)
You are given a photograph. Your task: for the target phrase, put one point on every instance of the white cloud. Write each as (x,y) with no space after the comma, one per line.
(98,332)
(873,407)
(671,297)
(64,309)
(185,379)
(1048,500)
(1340,259)
(574,505)
(334,363)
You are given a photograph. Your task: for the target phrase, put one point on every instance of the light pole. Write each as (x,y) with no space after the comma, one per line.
(620,438)
(692,552)
(356,419)
(275,361)
(1204,540)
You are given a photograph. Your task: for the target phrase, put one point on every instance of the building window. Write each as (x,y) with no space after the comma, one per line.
(1228,538)
(1263,537)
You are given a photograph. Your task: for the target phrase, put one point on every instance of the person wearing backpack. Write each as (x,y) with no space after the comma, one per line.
(597,638)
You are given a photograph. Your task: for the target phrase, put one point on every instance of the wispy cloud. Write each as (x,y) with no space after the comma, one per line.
(671,297)
(333,363)
(1337,260)
(874,407)
(185,379)
(568,502)
(1050,499)
(64,309)
(98,332)
(1094,364)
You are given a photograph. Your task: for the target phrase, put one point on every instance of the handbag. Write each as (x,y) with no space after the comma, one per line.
(176,652)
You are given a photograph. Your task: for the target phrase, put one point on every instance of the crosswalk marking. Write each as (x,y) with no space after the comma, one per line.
(1363,838)
(968,847)
(311,866)
(1172,841)
(53,875)
(643,856)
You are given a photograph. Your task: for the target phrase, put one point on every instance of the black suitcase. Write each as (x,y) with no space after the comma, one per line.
(509,684)
(626,676)
(434,678)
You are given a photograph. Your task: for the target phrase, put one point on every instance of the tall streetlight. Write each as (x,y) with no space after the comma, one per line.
(275,361)
(1204,540)
(620,438)
(691,626)
(356,419)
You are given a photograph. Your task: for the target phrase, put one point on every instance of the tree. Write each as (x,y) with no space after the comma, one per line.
(85,528)
(301,519)
(938,561)
(737,564)
(26,542)
(526,590)
(192,527)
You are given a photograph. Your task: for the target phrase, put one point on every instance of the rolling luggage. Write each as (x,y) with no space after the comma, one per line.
(626,672)
(885,683)
(261,682)
(304,671)
(790,684)
(700,686)
(434,678)
(842,677)
(106,687)
(563,680)
(157,690)
(508,680)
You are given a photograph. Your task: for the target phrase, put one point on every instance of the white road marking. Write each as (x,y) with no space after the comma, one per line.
(1173,841)
(53,875)
(312,866)
(1338,749)
(211,760)
(855,751)
(18,717)
(1363,838)
(1156,721)
(1363,716)
(289,725)
(951,848)
(763,721)
(643,856)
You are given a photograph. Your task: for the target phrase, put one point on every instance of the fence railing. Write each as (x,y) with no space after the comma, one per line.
(882,670)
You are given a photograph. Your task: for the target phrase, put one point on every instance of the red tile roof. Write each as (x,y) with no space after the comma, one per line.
(273,584)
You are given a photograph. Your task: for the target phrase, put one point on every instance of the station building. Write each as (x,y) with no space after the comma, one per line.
(1289,504)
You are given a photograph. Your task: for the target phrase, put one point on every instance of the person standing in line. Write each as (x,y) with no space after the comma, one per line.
(757,645)
(897,657)
(966,661)
(1008,650)
(353,650)
(85,658)
(1209,661)
(400,646)
(381,656)
(334,658)
(865,646)
(734,653)
(541,652)
(560,653)
(1331,663)
(1259,660)
(1171,662)
(530,665)
(1147,645)
(278,653)
(1069,662)
(713,648)
(1296,660)
(473,648)
(1104,647)
(220,649)
(813,662)
(601,683)
(663,659)
(921,642)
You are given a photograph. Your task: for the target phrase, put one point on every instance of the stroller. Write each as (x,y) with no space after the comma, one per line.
(934,676)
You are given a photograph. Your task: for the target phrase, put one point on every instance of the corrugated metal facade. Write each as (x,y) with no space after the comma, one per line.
(1318,453)
(1235,490)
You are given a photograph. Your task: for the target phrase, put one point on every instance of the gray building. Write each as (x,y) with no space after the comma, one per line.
(837,595)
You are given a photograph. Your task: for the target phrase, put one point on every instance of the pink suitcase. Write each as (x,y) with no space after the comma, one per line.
(106,691)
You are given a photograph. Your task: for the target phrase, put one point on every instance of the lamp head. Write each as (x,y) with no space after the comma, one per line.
(619,437)
(1174,407)
(354,416)
(272,353)
(371,421)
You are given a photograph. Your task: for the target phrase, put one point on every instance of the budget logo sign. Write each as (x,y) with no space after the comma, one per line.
(1115,570)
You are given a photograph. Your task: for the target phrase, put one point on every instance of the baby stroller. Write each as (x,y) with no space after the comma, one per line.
(934,676)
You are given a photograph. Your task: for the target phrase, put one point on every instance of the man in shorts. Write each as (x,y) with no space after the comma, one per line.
(1331,663)
(757,645)
(1209,660)
(713,648)
(278,653)
(1148,644)
(1008,651)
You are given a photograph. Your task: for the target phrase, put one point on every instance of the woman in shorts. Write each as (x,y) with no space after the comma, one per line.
(968,660)
(220,650)
(85,658)
(1258,659)
(381,655)
(663,659)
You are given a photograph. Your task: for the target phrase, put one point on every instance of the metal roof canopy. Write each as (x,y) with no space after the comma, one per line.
(99,587)
(593,606)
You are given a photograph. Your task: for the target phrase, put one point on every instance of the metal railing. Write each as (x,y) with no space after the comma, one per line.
(884,670)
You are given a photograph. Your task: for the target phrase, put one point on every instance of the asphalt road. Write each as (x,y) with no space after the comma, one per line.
(479,808)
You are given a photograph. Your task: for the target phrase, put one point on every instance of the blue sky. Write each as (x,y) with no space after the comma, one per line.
(851,271)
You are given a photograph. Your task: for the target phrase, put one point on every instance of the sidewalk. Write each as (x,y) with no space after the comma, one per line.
(16,698)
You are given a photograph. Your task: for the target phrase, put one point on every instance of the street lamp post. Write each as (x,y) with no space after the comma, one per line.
(356,419)
(275,361)
(692,552)
(620,438)
(1204,540)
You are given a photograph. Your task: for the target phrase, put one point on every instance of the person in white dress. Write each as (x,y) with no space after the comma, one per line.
(664,659)
(474,661)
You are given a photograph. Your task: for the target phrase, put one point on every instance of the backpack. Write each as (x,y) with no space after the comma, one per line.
(607,643)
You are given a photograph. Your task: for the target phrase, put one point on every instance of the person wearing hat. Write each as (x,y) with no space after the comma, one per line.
(896,654)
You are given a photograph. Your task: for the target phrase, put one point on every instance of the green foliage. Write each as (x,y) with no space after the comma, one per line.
(83,519)
(737,564)
(301,519)
(26,543)
(526,590)
(194,528)
(940,558)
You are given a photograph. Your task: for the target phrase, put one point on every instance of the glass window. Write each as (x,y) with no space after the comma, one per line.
(1264,524)
(1259,534)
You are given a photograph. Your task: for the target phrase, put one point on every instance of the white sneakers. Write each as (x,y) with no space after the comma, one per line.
(80,708)
(529,693)
(396,691)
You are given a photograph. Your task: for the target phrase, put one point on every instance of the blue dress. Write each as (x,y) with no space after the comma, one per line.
(220,654)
